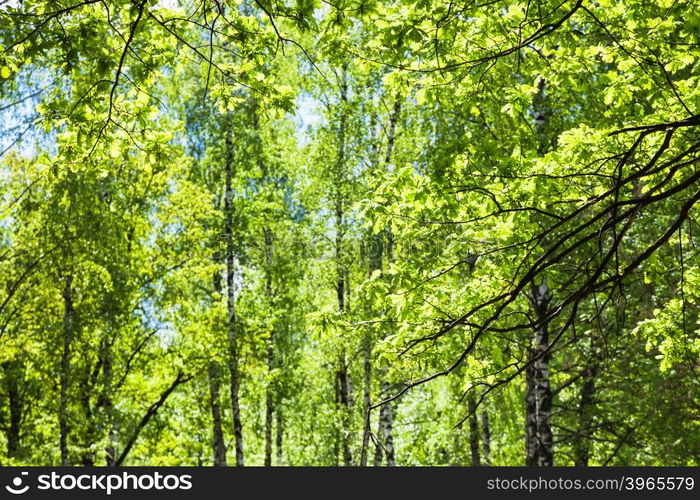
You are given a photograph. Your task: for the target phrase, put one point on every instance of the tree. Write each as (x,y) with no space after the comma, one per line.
(359,233)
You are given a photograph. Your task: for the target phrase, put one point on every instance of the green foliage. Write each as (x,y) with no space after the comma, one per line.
(401,175)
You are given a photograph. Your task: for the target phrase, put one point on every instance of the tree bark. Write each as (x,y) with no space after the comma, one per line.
(86,380)
(280,436)
(530,414)
(540,299)
(538,405)
(344,387)
(486,436)
(386,424)
(379,445)
(337,434)
(107,402)
(219,445)
(391,133)
(375,252)
(366,399)
(581,440)
(474,431)
(269,414)
(231,301)
(343,384)
(386,411)
(269,390)
(214,377)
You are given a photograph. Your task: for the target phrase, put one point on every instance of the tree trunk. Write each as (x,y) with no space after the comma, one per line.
(474,431)
(214,377)
(386,412)
(86,388)
(379,445)
(269,414)
(366,400)
(486,436)
(385,438)
(107,403)
(581,440)
(538,393)
(231,301)
(68,325)
(530,414)
(343,381)
(384,447)
(391,133)
(219,445)
(375,252)
(540,299)
(111,451)
(280,436)
(342,375)
(345,397)
(386,424)
(337,434)
(269,390)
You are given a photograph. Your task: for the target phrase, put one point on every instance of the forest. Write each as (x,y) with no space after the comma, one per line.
(350,232)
